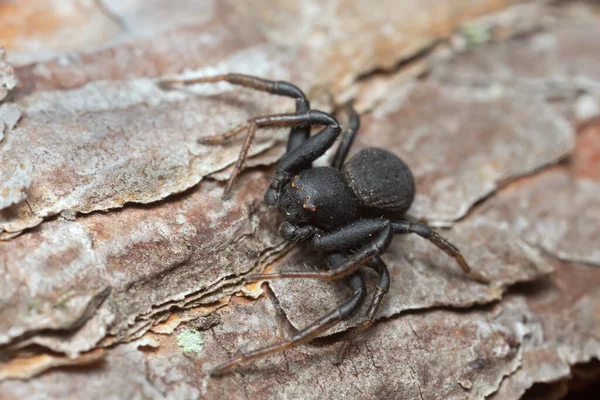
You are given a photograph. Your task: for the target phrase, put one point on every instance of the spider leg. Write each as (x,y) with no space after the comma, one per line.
(298,134)
(280,88)
(303,154)
(344,311)
(426,232)
(354,235)
(383,285)
(241,158)
(347,138)
(218,139)
(381,233)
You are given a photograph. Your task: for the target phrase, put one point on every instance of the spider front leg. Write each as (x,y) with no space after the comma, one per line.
(353,236)
(279,88)
(303,154)
(343,312)
(371,238)
(298,133)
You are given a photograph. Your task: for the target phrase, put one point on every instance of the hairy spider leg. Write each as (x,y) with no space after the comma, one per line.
(299,133)
(303,154)
(354,234)
(348,136)
(427,233)
(239,163)
(218,139)
(344,311)
(340,239)
(383,285)
(280,88)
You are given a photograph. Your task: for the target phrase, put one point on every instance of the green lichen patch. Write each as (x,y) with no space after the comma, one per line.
(190,341)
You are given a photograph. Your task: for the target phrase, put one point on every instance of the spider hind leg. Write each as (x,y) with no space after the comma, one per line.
(344,311)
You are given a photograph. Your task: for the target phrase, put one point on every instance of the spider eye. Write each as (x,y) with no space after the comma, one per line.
(309,207)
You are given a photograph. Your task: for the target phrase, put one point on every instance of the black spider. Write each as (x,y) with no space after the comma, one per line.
(349,210)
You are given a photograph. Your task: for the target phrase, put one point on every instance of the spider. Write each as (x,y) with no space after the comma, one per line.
(349,210)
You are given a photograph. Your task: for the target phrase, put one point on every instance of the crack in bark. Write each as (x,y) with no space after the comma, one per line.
(93,304)
(550,254)
(353,366)
(413,375)
(282,320)
(110,14)
(319,385)
(420,54)
(212,329)
(340,373)
(419,338)
(479,205)
(370,353)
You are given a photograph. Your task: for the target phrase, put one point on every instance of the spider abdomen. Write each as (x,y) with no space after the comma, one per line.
(382,182)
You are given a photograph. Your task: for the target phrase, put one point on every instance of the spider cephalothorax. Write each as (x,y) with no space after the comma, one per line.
(320,197)
(349,210)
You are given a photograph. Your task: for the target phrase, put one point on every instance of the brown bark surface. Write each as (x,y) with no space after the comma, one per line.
(122,269)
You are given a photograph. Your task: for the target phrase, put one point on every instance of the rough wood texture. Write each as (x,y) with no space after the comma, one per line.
(122,270)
